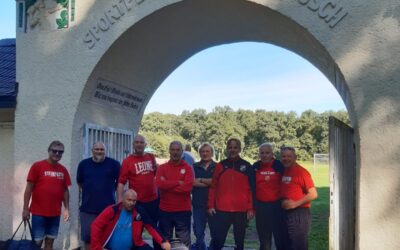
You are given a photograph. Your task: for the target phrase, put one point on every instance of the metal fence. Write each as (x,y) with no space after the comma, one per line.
(118,142)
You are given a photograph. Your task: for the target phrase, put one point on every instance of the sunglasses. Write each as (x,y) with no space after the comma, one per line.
(57,152)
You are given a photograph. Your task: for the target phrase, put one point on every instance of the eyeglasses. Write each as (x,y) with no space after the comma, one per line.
(57,152)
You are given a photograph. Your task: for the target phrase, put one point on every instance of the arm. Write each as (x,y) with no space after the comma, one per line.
(98,226)
(123,178)
(27,197)
(206,181)
(212,190)
(79,175)
(120,191)
(66,205)
(252,192)
(186,185)
(199,183)
(310,196)
(162,182)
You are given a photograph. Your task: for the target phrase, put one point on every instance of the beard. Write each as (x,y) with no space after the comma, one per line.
(98,159)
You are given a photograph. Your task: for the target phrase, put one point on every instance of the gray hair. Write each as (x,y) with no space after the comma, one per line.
(140,136)
(177,143)
(288,148)
(267,145)
(206,144)
(99,142)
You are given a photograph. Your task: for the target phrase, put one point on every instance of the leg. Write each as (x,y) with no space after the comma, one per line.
(48,243)
(51,231)
(38,229)
(222,222)
(239,229)
(166,224)
(152,210)
(278,227)
(182,227)
(211,227)
(199,226)
(298,226)
(263,229)
(86,220)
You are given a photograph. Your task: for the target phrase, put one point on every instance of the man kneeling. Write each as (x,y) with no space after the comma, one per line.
(120,227)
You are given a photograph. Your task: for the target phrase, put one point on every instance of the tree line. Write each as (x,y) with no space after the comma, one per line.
(307,132)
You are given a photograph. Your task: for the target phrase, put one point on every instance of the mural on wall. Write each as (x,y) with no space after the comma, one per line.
(47,14)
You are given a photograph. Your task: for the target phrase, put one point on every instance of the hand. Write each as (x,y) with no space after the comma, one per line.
(66,214)
(288,204)
(250,214)
(25,214)
(162,178)
(212,211)
(180,182)
(166,245)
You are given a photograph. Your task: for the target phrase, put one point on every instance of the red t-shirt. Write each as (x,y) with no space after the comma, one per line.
(50,182)
(268,183)
(296,181)
(140,171)
(175,197)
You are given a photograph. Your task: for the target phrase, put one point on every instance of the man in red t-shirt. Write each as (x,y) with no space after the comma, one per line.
(139,170)
(269,213)
(297,192)
(175,181)
(47,184)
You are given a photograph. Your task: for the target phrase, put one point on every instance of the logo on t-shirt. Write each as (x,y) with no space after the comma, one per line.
(58,175)
(144,167)
(267,173)
(286,179)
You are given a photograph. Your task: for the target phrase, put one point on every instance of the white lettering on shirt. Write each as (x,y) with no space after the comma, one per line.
(143,166)
(58,175)
(267,173)
(286,179)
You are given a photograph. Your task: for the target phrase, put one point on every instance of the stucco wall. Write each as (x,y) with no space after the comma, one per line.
(7,187)
(359,54)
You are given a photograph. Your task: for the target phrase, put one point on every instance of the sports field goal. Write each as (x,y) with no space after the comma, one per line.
(319,160)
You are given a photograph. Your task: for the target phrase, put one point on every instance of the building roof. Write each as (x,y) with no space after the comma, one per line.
(8,85)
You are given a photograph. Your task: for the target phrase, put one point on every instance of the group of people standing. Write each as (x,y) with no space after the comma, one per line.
(163,198)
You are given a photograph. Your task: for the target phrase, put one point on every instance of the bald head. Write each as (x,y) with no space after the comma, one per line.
(98,152)
(139,144)
(129,199)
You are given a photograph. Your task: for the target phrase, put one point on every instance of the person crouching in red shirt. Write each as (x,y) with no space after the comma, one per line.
(230,198)
(269,213)
(120,227)
(297,192)
(175,182)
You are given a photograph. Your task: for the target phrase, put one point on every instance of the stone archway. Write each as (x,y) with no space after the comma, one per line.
(133,45)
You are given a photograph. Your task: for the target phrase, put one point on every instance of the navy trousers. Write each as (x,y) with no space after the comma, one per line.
(152,210)
(200,220)
(180,221)
(222,223)
(298,224)
(270,221)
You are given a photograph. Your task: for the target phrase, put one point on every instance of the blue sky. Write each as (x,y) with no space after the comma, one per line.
(242,75)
